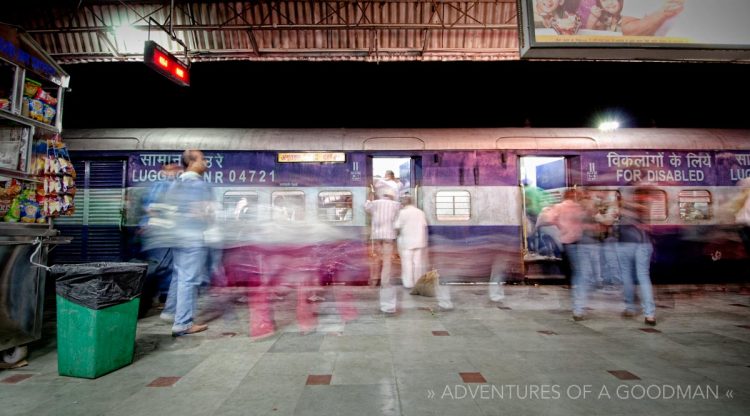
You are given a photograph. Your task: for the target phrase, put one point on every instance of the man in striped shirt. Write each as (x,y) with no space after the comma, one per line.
(383,214)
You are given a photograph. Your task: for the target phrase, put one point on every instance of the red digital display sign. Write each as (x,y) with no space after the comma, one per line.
(166,64)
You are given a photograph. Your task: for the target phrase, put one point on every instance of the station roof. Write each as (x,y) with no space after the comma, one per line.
(80,31)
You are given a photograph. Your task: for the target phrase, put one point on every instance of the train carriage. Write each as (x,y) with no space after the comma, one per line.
(468,182)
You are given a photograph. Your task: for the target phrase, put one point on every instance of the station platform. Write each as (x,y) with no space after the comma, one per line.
(522,356)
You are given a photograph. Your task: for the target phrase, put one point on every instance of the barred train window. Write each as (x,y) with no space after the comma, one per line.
(288,206)
(240,205)
(655,202)
(695,205)
(453,205)
(335,206)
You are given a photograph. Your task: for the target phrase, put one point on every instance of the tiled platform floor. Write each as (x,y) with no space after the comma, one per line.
(525,356)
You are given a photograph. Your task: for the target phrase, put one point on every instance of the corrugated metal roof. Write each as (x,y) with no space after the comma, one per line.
(407,30)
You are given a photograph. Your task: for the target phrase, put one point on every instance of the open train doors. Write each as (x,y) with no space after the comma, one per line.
(543,180)
(407,171)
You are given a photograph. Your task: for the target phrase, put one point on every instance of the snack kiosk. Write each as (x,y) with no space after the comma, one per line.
(37,184)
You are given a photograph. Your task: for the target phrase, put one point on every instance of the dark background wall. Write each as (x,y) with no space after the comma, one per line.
(435,94)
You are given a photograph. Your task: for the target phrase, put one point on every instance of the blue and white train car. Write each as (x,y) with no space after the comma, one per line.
(468,182)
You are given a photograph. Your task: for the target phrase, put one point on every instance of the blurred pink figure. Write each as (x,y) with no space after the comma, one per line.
(288,254)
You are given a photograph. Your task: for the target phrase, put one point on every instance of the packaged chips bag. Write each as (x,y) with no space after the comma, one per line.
(29,210)
(31,87)
(68,205)
(52,185)
(48,113)
(68,184)
(45,97)
(14,213)
(36,110)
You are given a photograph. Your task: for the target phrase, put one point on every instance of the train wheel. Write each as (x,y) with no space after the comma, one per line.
(15,354)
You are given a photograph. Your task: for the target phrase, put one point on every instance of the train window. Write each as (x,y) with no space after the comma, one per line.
(453,205)
(655,202)
(335,206)
(288,206)
(695,205)
(240,205)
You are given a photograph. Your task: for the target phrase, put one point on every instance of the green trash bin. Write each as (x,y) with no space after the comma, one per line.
(91,343)
(97,313)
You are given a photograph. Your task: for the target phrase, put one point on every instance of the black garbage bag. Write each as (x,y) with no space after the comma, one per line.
(99,285)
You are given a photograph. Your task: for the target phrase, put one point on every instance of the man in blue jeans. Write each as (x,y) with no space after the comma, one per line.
(156,246)
(192,197)
(634,251)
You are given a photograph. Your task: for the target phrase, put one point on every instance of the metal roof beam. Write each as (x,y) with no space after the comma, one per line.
(250,33)
(102,34)
(249,29)
(312,55)
(370,26)
(463,13)
(363,10)
(333,11)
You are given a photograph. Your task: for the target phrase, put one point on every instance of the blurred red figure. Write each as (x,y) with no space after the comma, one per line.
(277,258)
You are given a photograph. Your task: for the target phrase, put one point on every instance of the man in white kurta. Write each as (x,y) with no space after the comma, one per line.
(411,223)
(412,242)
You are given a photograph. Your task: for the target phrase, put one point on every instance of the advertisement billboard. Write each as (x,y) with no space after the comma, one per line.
(636,29)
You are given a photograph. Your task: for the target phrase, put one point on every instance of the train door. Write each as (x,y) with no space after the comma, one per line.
(406,172)
(96,226)
(543,182)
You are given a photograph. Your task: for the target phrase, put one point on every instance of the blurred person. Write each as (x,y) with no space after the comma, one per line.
(606,219)
(345,213)
(269,268)
(634,251)
(535,199)
(297,255)
(339,261)
(549,235)
(156,249)
(193,197)
(214,237)
(383,213)
(215,280)
(498,272)
(281,210)
(569,217)
(278,261)
(241,209)
(590,244)
(388,182)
